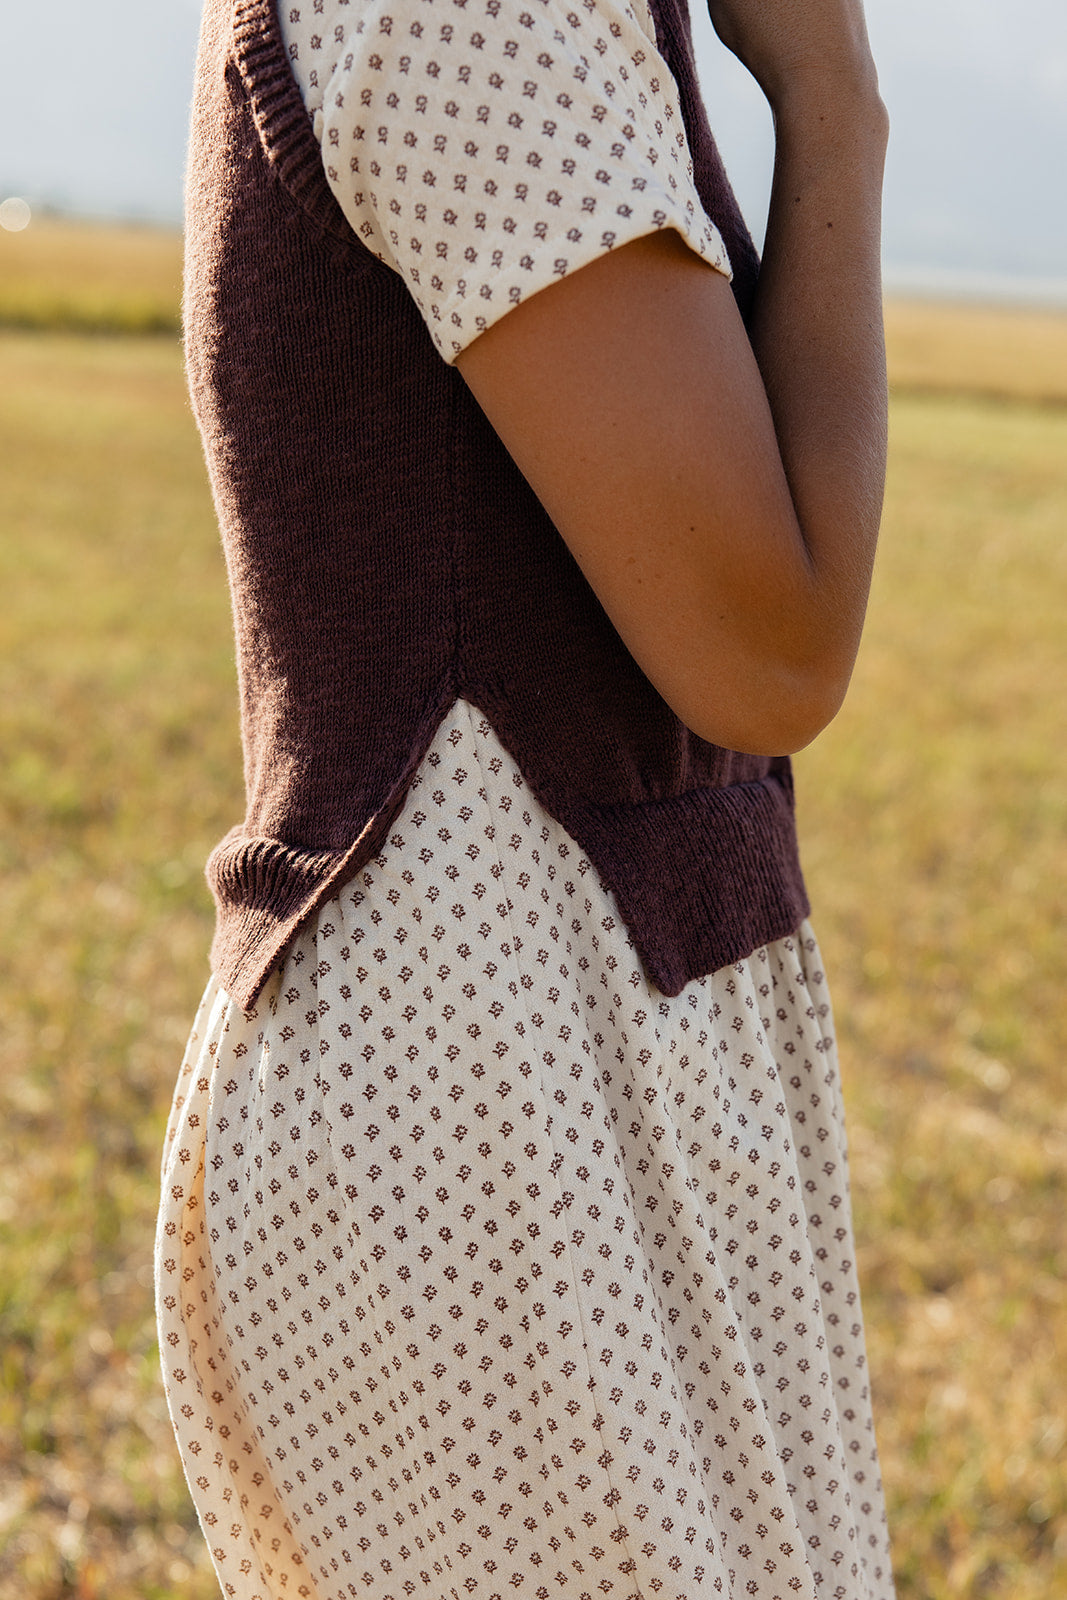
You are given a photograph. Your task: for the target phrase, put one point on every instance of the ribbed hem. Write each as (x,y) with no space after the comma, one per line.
(701,879)
(263,892)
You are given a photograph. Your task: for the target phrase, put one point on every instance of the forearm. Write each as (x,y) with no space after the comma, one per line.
(816,330)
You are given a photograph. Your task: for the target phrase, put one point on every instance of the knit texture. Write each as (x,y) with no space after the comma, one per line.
(387,558)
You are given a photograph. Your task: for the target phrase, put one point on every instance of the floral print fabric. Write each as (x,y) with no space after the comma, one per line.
(486,148)
(484,1269)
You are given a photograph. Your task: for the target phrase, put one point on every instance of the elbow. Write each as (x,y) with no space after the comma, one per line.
(777,711)
(769,663)
(792,724)
(764,678)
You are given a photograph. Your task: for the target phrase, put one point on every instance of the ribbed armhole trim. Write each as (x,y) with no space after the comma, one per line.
(282,120)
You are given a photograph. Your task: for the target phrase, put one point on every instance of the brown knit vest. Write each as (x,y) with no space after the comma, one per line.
(386,558)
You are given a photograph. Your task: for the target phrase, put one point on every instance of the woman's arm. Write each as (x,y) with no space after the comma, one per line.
(722,489)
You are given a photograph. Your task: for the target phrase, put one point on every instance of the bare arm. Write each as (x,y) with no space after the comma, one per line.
(722,489)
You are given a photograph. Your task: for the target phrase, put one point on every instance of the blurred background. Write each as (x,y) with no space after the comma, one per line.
(94,103)
(933,811)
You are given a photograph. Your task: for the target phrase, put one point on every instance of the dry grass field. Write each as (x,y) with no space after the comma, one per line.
(934,815)
(90,277)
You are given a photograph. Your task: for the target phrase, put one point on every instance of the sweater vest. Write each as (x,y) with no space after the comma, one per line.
(387,558)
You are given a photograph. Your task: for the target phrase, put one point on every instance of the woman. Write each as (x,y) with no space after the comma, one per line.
(505,1237)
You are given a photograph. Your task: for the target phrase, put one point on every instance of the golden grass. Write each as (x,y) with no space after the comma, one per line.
(934,821)
(93,277)
(934,816)
(1001,352)
(117,723)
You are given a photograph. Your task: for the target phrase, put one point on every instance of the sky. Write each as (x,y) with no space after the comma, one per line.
(93,114)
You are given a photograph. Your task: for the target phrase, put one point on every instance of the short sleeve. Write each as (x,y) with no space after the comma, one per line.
(484,149)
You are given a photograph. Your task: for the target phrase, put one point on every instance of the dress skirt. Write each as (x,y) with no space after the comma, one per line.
(485,1270)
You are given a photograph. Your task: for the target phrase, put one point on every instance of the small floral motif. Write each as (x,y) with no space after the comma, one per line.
(483,150)
(484,1268)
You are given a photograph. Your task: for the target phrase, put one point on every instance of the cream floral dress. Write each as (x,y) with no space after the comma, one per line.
(484,1269)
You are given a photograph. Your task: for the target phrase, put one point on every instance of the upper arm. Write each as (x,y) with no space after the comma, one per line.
(629,397)
(530,180)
